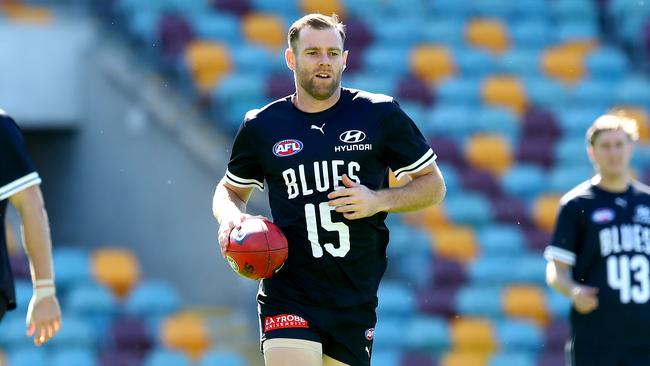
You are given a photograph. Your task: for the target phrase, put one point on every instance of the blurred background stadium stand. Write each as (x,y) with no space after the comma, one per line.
(129,107)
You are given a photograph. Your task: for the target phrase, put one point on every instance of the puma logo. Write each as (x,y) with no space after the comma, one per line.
(314,127)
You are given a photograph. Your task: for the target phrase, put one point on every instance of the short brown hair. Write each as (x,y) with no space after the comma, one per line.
(316,21)
(611,121)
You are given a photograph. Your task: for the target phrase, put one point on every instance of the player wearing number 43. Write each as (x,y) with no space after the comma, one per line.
(600,251)
(325,153)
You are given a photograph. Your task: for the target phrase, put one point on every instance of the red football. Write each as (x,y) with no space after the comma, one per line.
(257,248)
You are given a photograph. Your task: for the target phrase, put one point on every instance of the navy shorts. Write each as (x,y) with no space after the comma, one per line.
(584,354)
(346,334)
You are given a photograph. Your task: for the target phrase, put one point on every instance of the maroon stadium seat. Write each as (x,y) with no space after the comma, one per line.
(411,88)
(536,150)
(480,180)
(279,85)
(448,151)
(537,239)
(439,301)
(129,333)
(448,273)
(175,32)
(540,122)
(417,359)
(119,358)
(237,7)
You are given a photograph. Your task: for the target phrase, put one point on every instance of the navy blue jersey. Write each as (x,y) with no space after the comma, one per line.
(16,174)
(301,157)
(605,237)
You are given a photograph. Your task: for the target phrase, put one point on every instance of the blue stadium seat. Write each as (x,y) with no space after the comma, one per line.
(95,303)
(546,93)
(500,121)
(532,9)
(558,305)
(490,270)
(577,31)
(607,63)
(23,295)
(72,267)
(288,9)
(395,299)
(521,62)
(12,331)
(575,121)
(384,357)
(524,181)
(386,57)
(389,332)
(406,239)
(532,33)
(593,93)
(503,9)
(139,6)
(144,26)
(28,356)
(239,86)
(447,31)
(220,27)
(76,332)
(361,8)
(252,59)
(448,8)
(163,357)
(505,240)
(562,178)
(218,357)
(512,359)
(528,268)
(416,111)
(450,121)
(459,90)
(187,6)
(426,332)
(74,357)
(469,209)
(389,29)
(452,181)
(568,10)
(236,110)
(373,80)
(152,301)
(479,300)
(571,151)
(519,335)
(635,90)
(473,62)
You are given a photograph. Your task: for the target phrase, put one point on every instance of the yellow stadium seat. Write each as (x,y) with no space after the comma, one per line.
(116,268)
(489,34)
(566,62)
(24,13)
(472,334)
(186,332)
(505,91)
(432,217)
(545,210)
(525,301)
(326,7)
(641,117)
(208,62)
(489,152)
(456,243)
(431,63)
(265,29)
(464,358)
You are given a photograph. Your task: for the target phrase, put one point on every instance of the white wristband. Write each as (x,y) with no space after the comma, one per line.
(43,289)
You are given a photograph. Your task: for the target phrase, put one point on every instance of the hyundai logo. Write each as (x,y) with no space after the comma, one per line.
(352,136)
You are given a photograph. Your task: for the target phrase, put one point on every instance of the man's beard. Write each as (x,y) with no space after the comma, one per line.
(307,82)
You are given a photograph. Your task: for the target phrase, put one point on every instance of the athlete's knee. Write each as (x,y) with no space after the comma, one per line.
(292,352)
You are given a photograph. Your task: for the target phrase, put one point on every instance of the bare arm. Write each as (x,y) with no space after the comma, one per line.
(558,277)
(229,208)
(356,201)
(44,314)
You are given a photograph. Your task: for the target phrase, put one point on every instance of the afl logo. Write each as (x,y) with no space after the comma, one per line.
(287,147)
(603,215)
(370,334)
(352,136)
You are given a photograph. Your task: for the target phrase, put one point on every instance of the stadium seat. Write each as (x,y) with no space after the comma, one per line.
(564,64)
(74,357)
(94,303)
(389,28)
(510,210)
(472,209)
(322,7)
(546,93)
(389,332)
(116,268)
(592,93)
(524,181)
(490,270)
(217,27)
(512,359)
(479,301)
(498,121)
(185,332)
(152,300)
(358,35)
(488,34)
(412,89)
(385,357)
(72,267)
(474,62)
(574,10)
(12,332)
(581,31)
(505,91)
(539,122)
(417,359)
(28,356)
(571,151)
(238,87)
(286,9)
(207,62)
(448,8)
(23,294)
(480,181)
(575,121)
(265,29)
(448,273)
(532,9)
(433,217)
(502,9)
(634,90)
(607,63)
(386,59)
(236,7)
(445,31)
(425,332)
(525,302)
(519,336)
(535,150)
(451,121)
(121,358)
(489,152)
(130,333)
(458,92)
(472,334)
(507,240)
(76,332)
(456,243)
(537,239)
(163,357)
(532,34)
(17,12)
(431,63)
(556,335)
(464,358)
(520,62)
(558,305)
(439,301)
(395,299)
(545,209)
(219,357)
(279,85)
(175,33)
